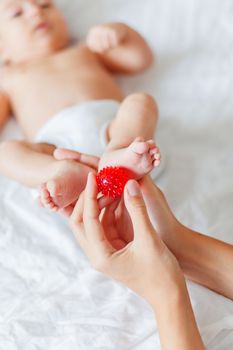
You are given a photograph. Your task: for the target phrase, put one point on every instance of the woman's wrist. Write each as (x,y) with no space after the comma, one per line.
(175,319)
(170,301)
(168,291)
(171,293)
(205,260)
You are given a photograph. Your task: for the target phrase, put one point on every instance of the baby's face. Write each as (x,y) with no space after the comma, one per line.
(30,28)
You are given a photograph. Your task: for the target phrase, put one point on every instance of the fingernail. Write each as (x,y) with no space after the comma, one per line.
(133,188)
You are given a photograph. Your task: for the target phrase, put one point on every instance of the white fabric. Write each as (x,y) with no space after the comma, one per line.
(83,128)
(50,298)
(80,128)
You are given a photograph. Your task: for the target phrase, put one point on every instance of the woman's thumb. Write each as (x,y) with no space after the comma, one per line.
(137,209)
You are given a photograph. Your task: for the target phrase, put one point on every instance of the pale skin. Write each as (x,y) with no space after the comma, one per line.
(42,75)
(138,258)
(127,244)
(203,259)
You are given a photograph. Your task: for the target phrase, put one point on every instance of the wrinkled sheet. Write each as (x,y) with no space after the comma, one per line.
(50,297)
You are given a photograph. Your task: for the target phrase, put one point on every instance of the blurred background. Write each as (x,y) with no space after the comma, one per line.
(50,298)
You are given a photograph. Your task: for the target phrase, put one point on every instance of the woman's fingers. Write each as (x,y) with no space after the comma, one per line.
(86,159)
(110,224)
(91,208)
(89,160)
(94,230)
(137,210)
(76,222)
(104,202)
(76,218)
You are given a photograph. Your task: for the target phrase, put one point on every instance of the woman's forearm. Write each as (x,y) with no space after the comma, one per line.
(205,260)
(176,322)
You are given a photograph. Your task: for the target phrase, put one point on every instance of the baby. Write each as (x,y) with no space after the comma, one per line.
(66,97)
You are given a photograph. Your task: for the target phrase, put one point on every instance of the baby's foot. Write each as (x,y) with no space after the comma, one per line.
(140,157)
(65,185)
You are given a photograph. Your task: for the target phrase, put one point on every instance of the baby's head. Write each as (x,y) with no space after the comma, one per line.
(30,29)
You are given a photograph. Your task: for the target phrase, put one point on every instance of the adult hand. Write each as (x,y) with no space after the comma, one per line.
(145,264)
(86,159)
(160,214)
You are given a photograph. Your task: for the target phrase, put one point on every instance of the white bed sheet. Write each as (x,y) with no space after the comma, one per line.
(50,298)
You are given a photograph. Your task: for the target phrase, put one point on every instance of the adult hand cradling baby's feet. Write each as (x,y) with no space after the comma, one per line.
(62,190)
(108,248)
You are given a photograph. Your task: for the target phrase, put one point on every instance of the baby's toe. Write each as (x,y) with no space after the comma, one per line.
(155,152)
(154,149)
(43,195)
(156,159)
(49,204)
(53,207)
(151,144)
(157,156)
(45,198)
(156,162)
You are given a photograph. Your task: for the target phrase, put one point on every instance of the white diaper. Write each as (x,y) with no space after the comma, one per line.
(80,128)
(83,128)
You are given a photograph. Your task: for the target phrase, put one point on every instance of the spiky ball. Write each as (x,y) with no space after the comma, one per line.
(112,180)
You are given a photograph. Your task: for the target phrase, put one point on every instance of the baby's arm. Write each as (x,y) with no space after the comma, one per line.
(120,48)
(4,109)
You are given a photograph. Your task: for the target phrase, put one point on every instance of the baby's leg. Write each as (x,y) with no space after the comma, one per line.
(34,164)
(27,163)
(137,116)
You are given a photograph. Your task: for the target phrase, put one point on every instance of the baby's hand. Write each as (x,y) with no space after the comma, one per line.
(105,37)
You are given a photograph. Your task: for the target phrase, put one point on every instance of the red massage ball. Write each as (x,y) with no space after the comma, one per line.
(112,180)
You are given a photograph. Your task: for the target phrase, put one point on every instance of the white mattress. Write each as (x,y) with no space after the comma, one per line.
(50,298)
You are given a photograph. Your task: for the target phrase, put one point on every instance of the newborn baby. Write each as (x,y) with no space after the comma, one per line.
(66,97)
